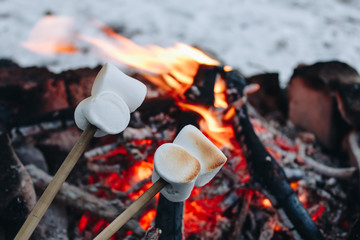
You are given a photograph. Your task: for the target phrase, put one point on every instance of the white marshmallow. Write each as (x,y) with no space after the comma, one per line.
(178,168)
(197,144)
(107,111)
(113,96)
(110,78)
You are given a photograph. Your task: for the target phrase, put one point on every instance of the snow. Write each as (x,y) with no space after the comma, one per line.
(253,36)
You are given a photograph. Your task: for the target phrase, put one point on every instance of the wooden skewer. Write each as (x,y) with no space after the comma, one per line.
(131,210)
(54,186)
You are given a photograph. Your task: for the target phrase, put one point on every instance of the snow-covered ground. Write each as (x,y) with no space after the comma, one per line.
(253,36)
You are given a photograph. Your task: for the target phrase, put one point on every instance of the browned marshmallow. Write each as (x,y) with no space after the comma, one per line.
(177,167)
(197,144)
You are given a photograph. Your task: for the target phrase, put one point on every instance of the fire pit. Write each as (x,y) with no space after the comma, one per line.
(185,86)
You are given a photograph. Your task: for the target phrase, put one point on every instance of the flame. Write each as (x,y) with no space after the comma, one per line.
(219,93)
(52,35)
(174,66)
(211,126)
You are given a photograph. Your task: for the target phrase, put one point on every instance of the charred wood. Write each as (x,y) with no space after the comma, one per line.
(169,218)
(270,100)
(238,228)
(152,234)
(266,174)
(355,230)
(17,195)
(202,90)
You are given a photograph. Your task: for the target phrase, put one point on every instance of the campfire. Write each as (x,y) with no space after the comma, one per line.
(247,199)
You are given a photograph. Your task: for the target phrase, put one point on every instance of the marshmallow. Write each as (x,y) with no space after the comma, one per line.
(178,168)
(107,111)
(113,96)
(197,144)
(110,78)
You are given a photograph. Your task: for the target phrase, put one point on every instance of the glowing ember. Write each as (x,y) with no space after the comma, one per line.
(318,213)
(83,222)
(294,185)
(202,215)
(147,218)
(266,203)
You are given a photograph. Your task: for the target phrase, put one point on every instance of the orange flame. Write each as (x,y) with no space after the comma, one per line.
(211,126)
(180,62)
(219,93)
(51,35)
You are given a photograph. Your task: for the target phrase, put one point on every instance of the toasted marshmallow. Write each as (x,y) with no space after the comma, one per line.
(178,168)
(197,144)
(113,96)
(110,78)
(107,111)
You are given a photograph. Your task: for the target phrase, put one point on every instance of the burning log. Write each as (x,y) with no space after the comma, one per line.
(266,174)
(202,90)
(17,195)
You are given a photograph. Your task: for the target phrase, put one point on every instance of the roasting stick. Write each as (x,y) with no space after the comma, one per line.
(190,160)
(107,111)
(136,206)
(54,186)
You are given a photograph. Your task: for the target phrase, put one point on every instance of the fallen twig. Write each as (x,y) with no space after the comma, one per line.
(321,168)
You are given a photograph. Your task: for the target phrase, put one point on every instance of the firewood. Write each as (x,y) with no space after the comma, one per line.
(17,194)
(351,144)
(270,100)
(324,99)
(343,173)
(239,223)
(266,173)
